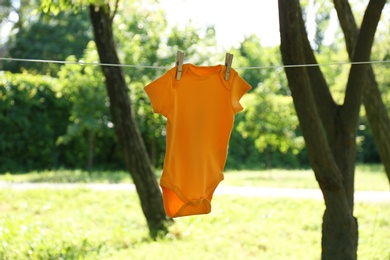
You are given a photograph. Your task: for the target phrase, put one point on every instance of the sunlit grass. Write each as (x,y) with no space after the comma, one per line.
(368,177)
(271,178)
(67,224)
(69,176)
(87,224)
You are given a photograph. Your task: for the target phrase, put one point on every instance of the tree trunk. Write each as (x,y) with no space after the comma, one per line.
(126,129)
(376,111)
(329,130)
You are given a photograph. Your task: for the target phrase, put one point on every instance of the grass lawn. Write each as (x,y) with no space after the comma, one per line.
(87,224)
(368,177)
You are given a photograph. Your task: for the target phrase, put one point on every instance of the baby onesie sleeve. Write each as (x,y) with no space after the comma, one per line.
(238,88)
(160,93)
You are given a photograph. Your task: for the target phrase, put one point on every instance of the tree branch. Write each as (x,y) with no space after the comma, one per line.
(323,98)
(352,101)
(324,166)
(348,24)
(115,10)
(376,111)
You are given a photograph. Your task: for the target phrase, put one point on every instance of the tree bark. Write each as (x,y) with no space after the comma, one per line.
(126,129)
(329,130)
(377,115)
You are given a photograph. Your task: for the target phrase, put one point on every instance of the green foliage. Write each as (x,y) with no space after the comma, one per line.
(382,72)
(46,122)
(84,87)
(31,119)
(88,128)
(49,38)
(90,123)
(152,126)
(270,120)
(242,152)
(336,75)
(5,10)
(252,54)
(56,6)
(22,9)
(268,127)
(266,133)
(322,21)
(153,44)
(142,50)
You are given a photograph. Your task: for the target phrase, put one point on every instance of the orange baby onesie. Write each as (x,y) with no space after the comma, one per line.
(200,109)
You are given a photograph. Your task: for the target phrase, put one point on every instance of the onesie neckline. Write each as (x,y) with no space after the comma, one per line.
(203,72)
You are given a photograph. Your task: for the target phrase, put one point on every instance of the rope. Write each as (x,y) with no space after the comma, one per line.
(317,65)
(168,67)
(84,63)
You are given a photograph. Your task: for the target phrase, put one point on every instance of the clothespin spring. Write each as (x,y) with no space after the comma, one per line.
(228,64)
(179,64)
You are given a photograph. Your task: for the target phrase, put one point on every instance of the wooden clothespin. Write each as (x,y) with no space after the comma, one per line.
(179,64)
(228,64)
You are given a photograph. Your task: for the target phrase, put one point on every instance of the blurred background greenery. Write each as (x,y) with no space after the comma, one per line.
(57,115)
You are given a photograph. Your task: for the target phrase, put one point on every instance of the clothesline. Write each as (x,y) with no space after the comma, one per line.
(168,67)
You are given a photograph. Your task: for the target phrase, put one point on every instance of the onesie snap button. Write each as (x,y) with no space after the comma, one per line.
(194,202)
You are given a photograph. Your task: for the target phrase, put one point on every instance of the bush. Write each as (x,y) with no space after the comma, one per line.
(31,119)
(34,115)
